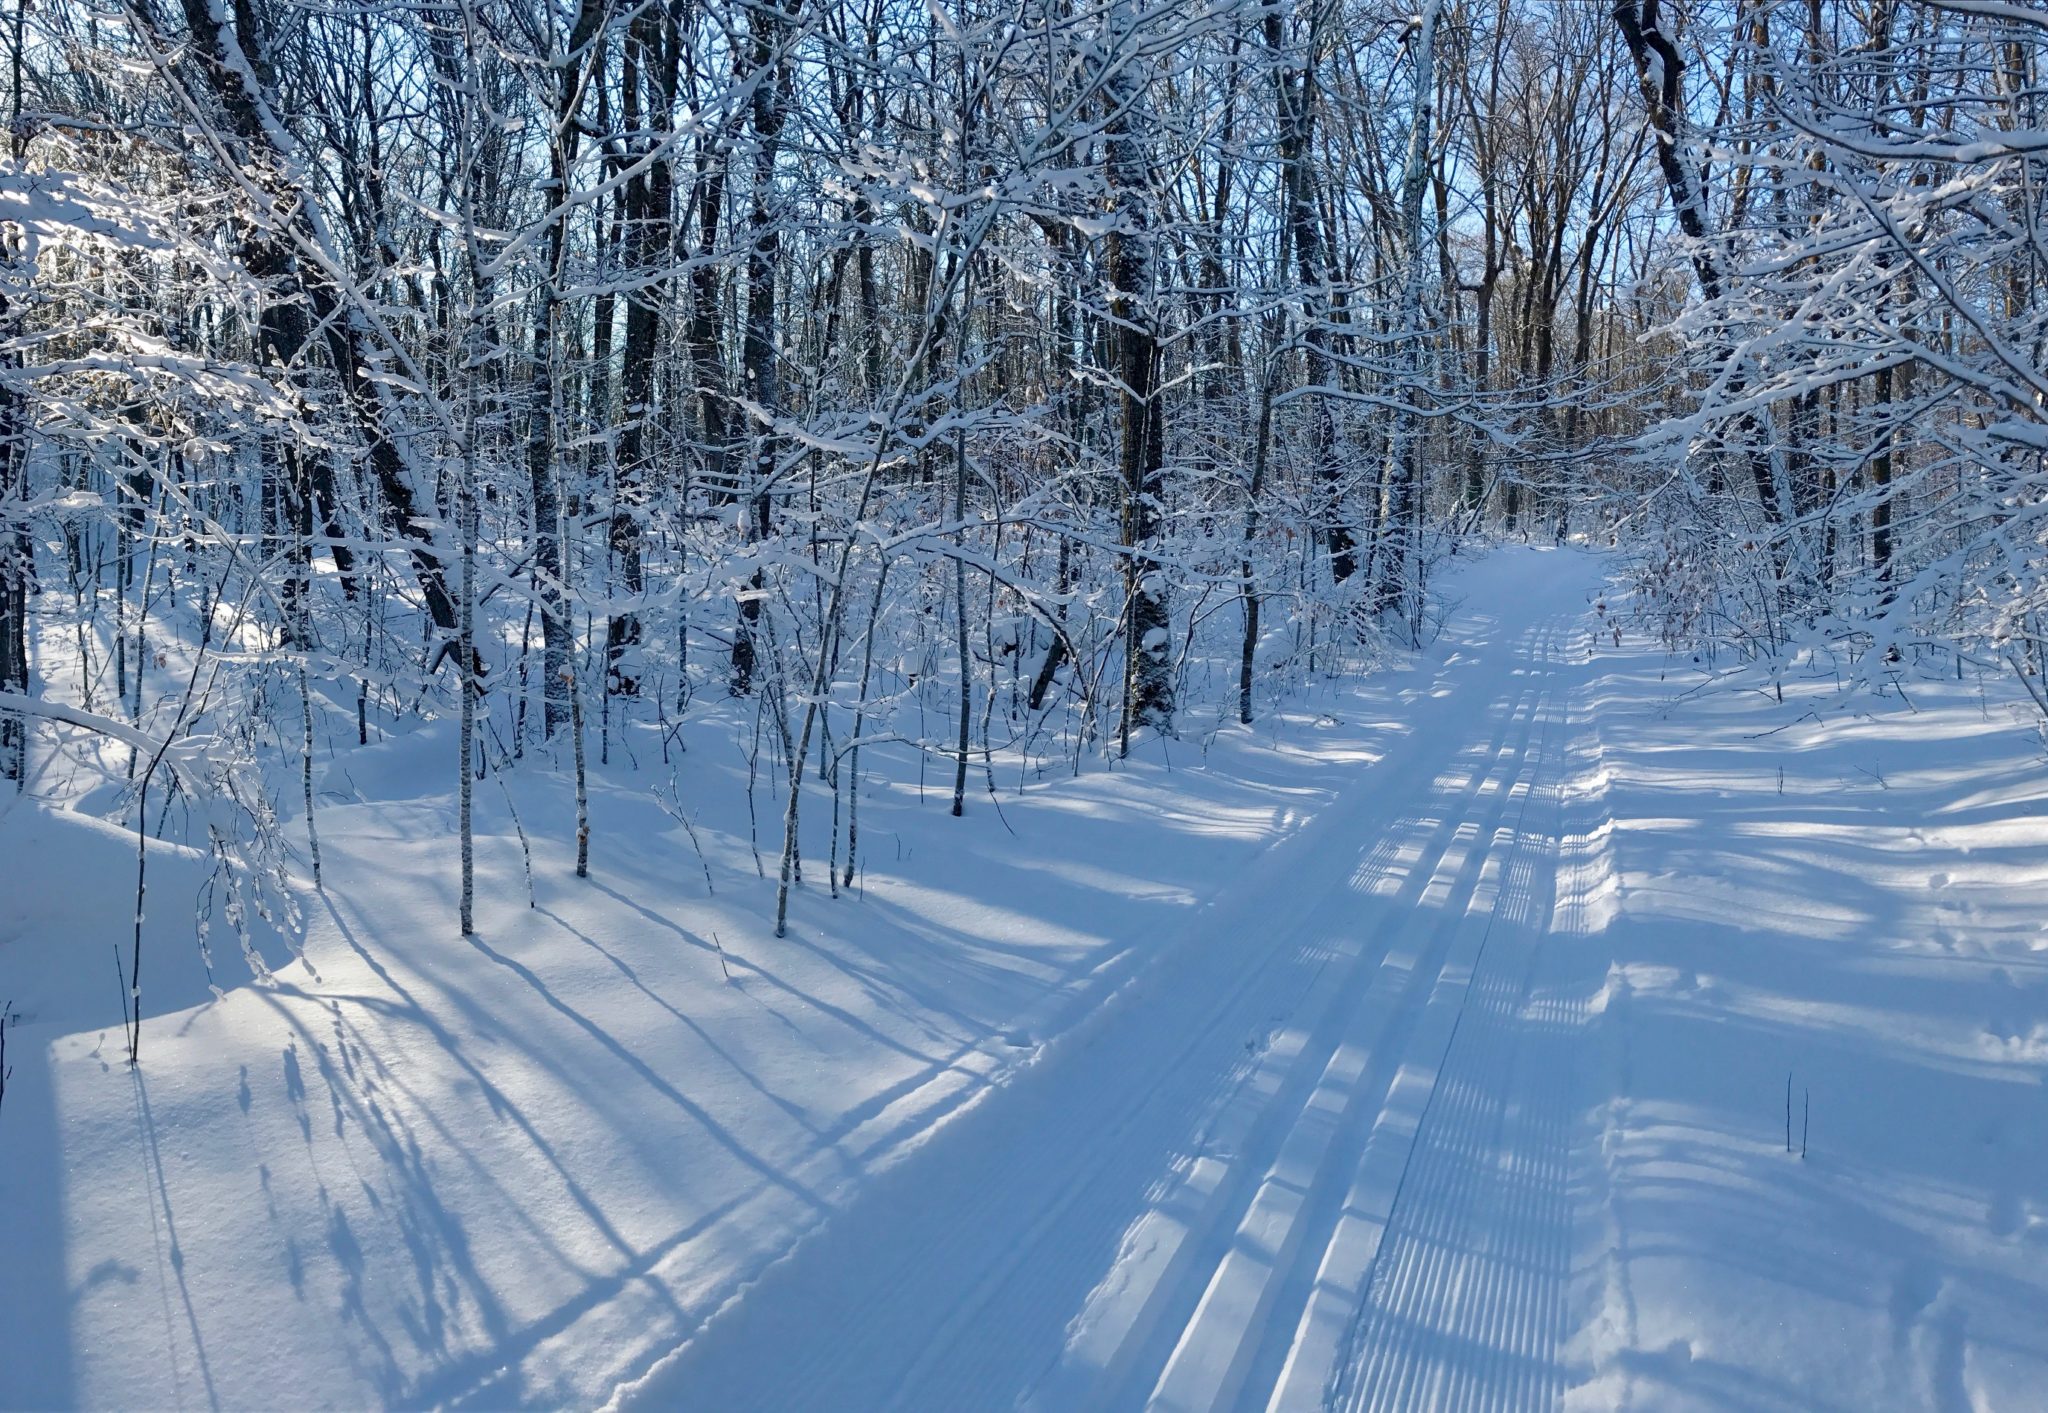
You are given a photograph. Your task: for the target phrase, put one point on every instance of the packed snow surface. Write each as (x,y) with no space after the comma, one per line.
(1435,1043)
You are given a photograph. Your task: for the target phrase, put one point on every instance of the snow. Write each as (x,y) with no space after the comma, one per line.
(1424,1045)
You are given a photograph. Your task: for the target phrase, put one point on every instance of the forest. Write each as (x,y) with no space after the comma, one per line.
(550,369)
(681,454)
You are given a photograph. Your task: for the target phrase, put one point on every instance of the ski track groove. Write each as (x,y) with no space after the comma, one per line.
(1207,1176)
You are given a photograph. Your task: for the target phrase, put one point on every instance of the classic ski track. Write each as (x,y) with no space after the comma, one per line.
(1368,999)
(1466,1307)
(1218,1348)
(1211,1130)
(1301,1339)
(1313,1332)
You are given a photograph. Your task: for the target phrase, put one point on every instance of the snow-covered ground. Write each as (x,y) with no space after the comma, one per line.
(1426,1045)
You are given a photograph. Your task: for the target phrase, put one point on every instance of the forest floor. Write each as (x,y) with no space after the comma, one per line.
(1438,1042)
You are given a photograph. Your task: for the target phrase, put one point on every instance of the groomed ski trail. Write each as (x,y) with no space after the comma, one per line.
(1312,1156)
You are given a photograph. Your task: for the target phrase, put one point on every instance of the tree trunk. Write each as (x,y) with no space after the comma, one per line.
(238,76)
(16,570)
(653,51)
(1295,104)
(1141,454)
(541,404)
(760,366)
(1400,570)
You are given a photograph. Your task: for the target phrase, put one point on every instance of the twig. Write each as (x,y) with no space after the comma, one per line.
(7,1019)
(671,804)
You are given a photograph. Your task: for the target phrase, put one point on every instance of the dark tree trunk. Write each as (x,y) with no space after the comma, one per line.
(1295,103)
(1141,453)
(16,572)
(653,51)
(760,367)
(541,438)
(238,76)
